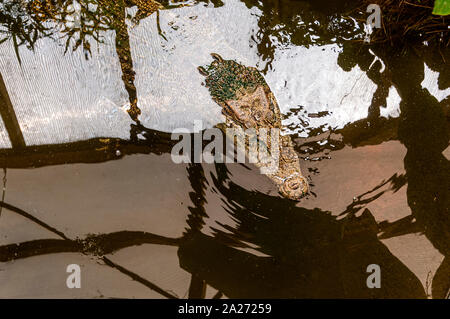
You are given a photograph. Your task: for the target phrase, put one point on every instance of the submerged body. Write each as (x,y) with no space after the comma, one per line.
(248,103)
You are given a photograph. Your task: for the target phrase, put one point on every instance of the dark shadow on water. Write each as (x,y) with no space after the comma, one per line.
(306,253)
(424,128)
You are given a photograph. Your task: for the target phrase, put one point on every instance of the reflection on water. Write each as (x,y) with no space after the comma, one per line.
(376,150)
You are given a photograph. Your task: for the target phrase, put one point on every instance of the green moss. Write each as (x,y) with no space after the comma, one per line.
(225,79)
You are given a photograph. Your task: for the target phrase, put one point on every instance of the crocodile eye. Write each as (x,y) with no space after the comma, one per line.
(228,109)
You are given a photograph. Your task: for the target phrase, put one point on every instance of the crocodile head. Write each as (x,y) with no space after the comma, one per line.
(242,92)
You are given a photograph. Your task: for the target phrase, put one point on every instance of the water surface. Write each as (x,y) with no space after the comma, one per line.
(91,186)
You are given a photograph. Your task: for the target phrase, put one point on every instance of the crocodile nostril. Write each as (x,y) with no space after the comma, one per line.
(294,185)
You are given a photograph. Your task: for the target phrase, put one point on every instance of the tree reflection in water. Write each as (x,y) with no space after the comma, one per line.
(80,23)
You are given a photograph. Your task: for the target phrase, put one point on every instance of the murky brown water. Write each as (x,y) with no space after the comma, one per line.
(85,184)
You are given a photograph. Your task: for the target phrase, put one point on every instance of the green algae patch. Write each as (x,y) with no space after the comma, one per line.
(224,80)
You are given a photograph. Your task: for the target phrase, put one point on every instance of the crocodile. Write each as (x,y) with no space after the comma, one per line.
(249,104)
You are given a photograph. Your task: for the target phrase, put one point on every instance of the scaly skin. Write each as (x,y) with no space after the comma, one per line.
(248,103)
